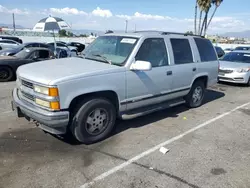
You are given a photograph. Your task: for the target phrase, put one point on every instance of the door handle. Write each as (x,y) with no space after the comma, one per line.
(194,69)
(169,73)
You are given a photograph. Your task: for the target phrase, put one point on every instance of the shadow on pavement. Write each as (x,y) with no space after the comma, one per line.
(121,126)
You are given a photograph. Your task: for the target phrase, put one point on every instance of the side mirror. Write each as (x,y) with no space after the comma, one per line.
(35,58)
(141,66)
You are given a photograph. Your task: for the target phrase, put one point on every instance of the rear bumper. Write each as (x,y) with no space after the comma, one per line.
(53,122)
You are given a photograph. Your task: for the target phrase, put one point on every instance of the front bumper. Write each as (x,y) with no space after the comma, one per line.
(241,78)
(52,122)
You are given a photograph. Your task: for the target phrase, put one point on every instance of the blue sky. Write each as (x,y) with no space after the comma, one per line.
(111,14)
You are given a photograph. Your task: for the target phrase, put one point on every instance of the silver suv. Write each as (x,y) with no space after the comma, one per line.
(120,76)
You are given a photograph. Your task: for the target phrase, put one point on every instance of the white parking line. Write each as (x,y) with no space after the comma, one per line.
(157,147)
(6,112)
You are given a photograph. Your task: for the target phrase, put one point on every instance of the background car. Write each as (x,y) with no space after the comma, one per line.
(227,50)
(235,67)
(77,45)
(60,45)
(9,64)
(14,50)
(11,38)
(242,48)
(220,51)
(6,43)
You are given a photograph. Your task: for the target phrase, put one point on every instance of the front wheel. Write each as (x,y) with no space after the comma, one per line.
(6,74)
(196,95)
(93,120)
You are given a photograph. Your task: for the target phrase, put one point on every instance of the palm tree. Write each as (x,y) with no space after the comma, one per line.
(217,3)
(204,6)
(195,17)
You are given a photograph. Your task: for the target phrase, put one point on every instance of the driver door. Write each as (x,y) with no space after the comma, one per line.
(149,87)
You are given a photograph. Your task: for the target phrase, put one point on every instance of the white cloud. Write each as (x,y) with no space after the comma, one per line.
(102,12)
(10,11)
(126,17)
(148,16)
(67,11)
(142,16)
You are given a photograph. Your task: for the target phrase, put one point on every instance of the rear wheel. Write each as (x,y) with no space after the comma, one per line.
(196,95)
(93,120)
(6,74)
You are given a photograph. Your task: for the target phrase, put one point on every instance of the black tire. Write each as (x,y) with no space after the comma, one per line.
(79,125)
(6,74)
(189,98)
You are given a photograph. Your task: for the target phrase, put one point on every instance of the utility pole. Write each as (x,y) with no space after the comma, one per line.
(14,24)
(126,29)
(135,27)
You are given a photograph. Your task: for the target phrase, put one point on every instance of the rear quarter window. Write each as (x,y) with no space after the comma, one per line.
(206,50)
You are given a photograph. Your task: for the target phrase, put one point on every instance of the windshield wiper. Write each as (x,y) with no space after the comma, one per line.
(103,57)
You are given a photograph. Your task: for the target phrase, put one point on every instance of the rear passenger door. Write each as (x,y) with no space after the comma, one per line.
(183,67)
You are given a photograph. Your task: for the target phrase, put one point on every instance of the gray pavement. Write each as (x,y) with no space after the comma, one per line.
(216,155)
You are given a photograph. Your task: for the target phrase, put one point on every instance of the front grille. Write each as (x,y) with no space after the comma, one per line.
(225,78)
(225,71)
(27,84)
(27,96)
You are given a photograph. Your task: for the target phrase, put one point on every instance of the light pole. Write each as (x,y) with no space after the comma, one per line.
(126,29)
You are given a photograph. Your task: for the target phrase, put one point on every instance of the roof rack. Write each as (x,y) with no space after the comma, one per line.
(168,33)
(185,34)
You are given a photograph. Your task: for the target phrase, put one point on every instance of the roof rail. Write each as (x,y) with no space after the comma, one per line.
(167,33)
(185,34)
(148,31)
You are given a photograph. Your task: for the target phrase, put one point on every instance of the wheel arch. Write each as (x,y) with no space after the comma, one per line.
(202,77)
(107,94)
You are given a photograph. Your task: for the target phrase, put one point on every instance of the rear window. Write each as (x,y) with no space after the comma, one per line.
(242,48)
(206,50)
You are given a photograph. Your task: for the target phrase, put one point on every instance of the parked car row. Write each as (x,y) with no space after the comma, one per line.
(221,52)
(14,54)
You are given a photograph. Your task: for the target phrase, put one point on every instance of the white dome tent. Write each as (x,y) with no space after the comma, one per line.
(51,24)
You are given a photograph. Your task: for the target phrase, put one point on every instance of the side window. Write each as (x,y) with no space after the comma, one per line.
(33,55)
(43,54)
(182,51)
(154,51)
(29,46)
(206,50)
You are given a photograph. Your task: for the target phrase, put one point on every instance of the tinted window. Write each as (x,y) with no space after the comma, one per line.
(242,48)
(205,49)
(153,51)
(237,57)
(182,51)
(43,54)
(7,42)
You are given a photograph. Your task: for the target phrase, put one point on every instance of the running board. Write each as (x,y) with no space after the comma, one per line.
(150,109)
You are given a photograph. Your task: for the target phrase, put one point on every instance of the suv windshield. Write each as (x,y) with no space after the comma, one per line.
(110,49)
(237,57)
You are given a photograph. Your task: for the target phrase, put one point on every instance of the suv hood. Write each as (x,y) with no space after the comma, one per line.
(51,72)
(233,65)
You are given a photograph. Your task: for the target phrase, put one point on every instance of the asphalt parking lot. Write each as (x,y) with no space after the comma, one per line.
(208,147)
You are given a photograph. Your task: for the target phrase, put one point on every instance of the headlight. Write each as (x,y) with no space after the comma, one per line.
(54,105)
(53,92)
(243,70)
